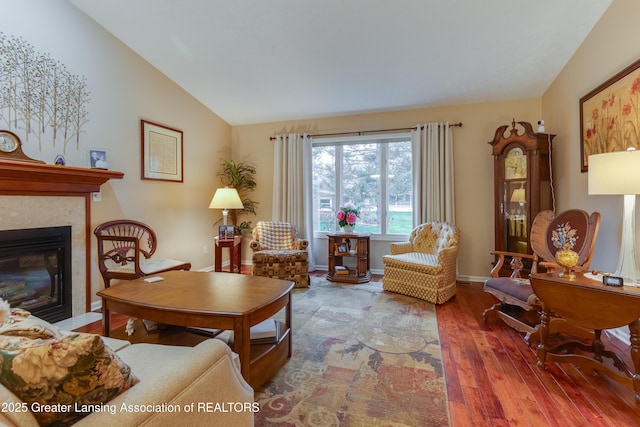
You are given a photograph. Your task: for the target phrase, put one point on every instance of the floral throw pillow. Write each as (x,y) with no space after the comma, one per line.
(30,327)
(69,373)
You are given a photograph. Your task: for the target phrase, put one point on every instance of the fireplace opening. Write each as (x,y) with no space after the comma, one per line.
(35,271)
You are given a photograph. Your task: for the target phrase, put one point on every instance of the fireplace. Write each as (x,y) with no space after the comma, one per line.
(35,271)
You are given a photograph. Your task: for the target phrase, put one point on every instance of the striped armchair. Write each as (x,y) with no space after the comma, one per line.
(279,253)
(425,266)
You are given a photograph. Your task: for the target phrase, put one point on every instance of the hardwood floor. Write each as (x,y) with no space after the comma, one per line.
(493,380)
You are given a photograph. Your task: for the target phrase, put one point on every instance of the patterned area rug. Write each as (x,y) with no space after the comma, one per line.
(361,357)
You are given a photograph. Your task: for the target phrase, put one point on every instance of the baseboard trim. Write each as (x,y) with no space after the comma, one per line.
(621,333)
(471,279)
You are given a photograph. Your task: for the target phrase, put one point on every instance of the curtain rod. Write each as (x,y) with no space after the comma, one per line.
(360,133)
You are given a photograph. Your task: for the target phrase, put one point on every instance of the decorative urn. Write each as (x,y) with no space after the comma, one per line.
(567,259)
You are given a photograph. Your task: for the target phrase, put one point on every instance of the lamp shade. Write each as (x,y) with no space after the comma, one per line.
(615,173)
(226,198)
(518,195)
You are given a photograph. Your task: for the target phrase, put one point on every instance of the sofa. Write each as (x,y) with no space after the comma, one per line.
(186,386)
(425,267)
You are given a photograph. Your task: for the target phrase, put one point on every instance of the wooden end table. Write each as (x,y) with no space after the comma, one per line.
(589,304)
(211,300)
(358,248)
(235,253)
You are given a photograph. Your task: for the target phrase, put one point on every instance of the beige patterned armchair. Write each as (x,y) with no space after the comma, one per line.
(425,266)
(279,253)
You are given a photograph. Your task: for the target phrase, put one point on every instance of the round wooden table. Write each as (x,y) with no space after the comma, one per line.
(211,300)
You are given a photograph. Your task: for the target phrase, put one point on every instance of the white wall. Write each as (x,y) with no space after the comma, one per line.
(611,46)
(124,89)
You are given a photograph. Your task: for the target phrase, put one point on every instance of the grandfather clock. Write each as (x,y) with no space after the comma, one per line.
(523,187)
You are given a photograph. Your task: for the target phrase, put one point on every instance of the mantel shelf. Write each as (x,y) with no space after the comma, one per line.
(25,178)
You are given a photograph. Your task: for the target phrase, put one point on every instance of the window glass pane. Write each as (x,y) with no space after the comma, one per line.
(324,188)
(399,188)
(361,183)
(374,175)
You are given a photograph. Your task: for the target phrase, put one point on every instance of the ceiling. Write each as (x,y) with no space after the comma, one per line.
(255,61)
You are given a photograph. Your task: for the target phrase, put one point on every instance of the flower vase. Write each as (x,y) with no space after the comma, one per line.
(348,228)
(567,259)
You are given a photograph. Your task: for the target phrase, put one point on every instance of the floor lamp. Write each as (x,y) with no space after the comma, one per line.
(619,173)
(226,198)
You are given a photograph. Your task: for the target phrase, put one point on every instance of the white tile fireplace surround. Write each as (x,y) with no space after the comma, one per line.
(36,195)
(18,212)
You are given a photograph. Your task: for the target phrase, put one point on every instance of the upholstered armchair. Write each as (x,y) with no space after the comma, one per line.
(425,266)
(279,253)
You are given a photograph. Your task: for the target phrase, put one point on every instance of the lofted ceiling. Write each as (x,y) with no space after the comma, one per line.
(254,61)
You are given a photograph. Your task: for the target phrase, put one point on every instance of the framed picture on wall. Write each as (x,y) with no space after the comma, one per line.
(610,115)
(161,152)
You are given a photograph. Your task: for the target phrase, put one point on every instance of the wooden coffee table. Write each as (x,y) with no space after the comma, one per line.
(212,300)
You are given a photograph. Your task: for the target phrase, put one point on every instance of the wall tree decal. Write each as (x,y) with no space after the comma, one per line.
(39,97)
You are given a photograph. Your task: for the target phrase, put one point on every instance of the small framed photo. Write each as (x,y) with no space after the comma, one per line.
(226,232)
(342,249)
(97,158)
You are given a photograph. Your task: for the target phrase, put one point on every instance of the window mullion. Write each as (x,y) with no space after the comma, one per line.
(339,194)
(383,189)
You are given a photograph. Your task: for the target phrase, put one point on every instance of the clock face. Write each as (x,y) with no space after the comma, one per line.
(515,164)
(8,142)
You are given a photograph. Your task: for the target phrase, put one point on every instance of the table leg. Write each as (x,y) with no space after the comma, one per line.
(242,346)
(218,261)
(634,329)
(288,322)
(106,319)
(544,333)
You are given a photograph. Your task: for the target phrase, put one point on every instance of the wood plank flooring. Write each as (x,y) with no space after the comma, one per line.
(493,380)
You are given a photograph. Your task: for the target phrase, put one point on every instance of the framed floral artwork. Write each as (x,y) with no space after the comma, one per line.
(610,115)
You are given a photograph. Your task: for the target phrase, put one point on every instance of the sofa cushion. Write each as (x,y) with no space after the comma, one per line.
(415,261)
(74,369)
(274,235)
(271,257)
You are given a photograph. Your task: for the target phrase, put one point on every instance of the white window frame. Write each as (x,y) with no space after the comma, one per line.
(365,139)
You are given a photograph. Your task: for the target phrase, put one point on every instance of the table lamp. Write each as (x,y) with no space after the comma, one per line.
(619,173)
(226,198)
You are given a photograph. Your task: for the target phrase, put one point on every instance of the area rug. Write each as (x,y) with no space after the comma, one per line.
(361,357)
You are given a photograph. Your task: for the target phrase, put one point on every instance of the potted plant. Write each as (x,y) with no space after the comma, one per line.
(242,177)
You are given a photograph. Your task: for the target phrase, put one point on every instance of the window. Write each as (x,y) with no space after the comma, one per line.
(373,173)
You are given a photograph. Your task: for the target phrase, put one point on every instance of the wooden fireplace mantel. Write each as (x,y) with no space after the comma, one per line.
(30,178)
(21,178)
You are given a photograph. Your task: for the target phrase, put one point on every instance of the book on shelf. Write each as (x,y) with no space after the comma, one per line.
(151,326)
(341,269)
(209,332)
(265,332)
